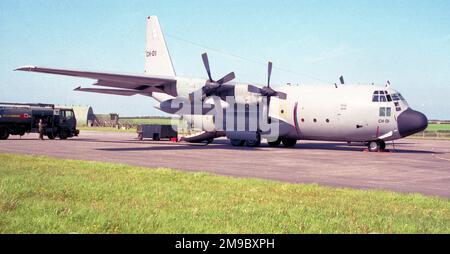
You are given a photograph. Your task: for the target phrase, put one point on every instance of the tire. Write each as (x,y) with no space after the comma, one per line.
(237,142)
(51,135)
(289,142)
(253,143)
(275,143)
(63,134)
(140,137)
(382,145)
(374,146)
(156,137)
(4,134)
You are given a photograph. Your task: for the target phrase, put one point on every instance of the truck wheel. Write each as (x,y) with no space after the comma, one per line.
(4,134)
(289,142)
(51,135)
(63,134)
(140,137)
(156,137)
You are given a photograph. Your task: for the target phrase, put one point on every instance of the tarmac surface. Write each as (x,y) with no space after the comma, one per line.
(414,166)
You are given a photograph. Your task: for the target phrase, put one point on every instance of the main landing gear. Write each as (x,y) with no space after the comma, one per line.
(249,143)
(376,145)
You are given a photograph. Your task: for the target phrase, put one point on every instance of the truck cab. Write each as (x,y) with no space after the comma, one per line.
(63,124)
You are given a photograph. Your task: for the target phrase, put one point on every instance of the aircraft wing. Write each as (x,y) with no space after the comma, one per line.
(142,83)
(113,91)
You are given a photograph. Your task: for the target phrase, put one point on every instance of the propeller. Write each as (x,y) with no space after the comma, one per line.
(267,90)
(212,86)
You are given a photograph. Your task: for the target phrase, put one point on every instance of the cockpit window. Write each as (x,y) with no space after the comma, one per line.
(381,96)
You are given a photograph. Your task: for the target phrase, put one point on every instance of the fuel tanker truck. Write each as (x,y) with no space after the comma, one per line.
(19,118)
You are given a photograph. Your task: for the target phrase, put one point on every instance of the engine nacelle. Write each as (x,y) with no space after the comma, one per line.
(187,86)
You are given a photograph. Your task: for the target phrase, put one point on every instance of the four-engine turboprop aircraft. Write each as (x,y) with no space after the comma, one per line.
(246,113)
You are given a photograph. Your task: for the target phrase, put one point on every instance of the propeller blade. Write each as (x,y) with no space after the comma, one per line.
(206,64)
(227,78)
(341,78)
(253,89)
(281,95)
(269,73)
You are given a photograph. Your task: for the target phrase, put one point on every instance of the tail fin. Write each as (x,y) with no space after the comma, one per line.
(157,57)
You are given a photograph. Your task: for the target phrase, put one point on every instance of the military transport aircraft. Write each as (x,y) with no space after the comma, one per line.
(247,113)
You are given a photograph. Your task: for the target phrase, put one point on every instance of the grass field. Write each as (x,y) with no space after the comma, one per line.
(438,127)
(43,195)
(147,120)
(107,129)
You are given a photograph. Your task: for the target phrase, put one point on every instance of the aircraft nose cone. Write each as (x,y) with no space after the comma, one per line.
(410,122)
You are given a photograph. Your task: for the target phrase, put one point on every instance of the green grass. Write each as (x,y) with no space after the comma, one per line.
(43,195)
(438,127)
(107,129)
(147,120)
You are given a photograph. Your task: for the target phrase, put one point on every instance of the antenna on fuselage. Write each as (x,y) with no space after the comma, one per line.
(388,84)
(341,79)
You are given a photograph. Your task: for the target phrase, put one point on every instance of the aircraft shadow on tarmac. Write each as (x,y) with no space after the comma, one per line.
(222,144)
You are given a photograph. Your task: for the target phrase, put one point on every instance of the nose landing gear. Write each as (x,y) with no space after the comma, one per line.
(376,146)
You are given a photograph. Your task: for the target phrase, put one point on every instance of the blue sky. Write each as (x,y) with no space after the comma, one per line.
(407,42)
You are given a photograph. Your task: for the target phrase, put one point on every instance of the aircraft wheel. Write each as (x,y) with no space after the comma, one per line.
(4,134)
(253,143)
(274,143)
(289,142)
(374,146)
(382,145)
(237,142)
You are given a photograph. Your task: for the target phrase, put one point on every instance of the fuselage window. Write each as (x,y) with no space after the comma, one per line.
(382,111)
(388,111)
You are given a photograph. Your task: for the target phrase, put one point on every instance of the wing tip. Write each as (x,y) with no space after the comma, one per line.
(26,68)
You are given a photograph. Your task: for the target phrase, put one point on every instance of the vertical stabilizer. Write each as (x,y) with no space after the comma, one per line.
(157,57)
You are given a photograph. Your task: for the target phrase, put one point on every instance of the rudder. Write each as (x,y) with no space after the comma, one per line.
(157,57)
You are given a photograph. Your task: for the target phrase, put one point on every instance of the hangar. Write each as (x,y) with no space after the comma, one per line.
(84,114)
